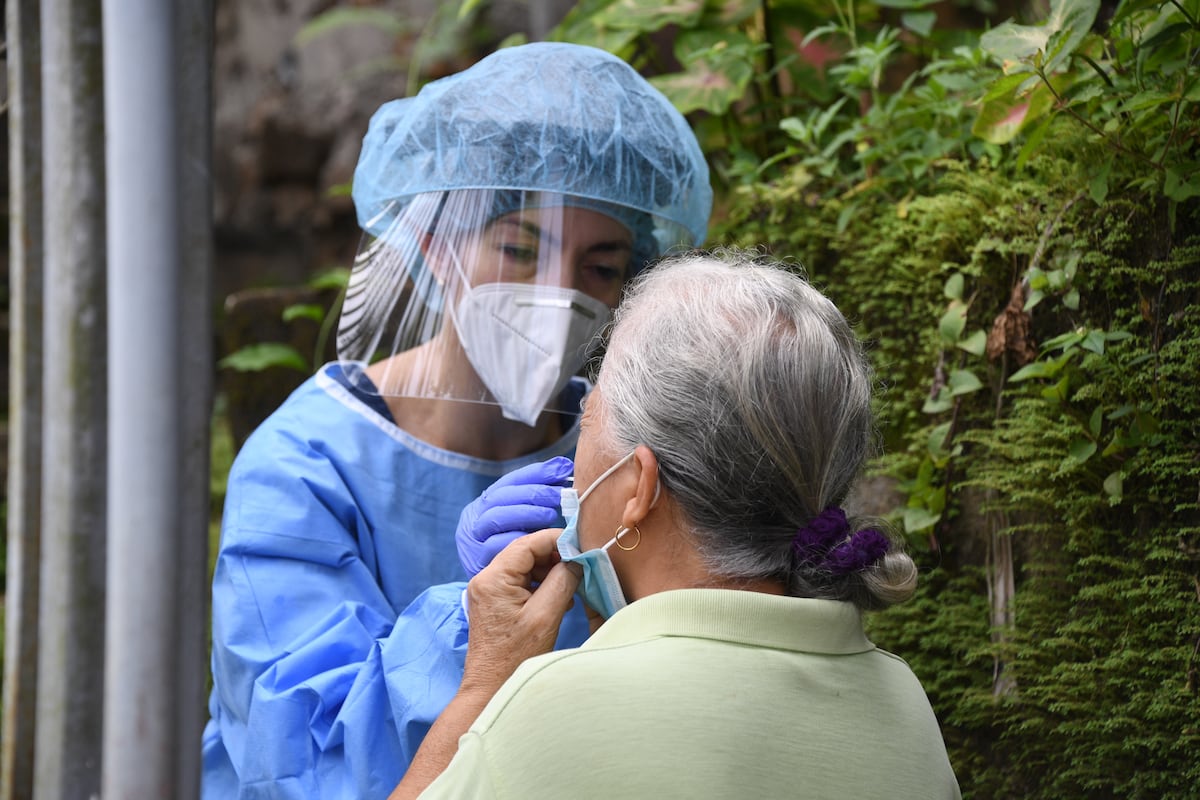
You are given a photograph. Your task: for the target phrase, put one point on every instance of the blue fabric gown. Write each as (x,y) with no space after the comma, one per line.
(327,668)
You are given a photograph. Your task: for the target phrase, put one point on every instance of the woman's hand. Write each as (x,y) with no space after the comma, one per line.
(524,500)
(517,604)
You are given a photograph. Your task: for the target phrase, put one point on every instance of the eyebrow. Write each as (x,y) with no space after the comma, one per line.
(535,230)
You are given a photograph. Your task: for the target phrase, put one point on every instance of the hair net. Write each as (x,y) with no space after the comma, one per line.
(504,207)
(545,116)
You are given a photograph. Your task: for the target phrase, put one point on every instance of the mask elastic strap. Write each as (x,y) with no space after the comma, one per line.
(604,475)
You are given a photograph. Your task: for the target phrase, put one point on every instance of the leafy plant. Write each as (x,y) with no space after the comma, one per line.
(1135,88)
(260,356)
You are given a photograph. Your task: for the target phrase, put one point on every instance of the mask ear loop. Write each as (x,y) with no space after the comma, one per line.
(604,475)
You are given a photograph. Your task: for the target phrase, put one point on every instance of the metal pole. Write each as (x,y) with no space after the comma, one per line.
(25,398)
(140,735)
(195,29)
(70,661)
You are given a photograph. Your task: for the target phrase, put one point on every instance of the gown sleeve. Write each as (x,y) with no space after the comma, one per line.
(320,688)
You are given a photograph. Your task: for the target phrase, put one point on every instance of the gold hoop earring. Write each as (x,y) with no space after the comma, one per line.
(621,531)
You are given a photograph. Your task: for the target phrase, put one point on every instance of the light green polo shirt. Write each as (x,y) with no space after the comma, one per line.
(706,693)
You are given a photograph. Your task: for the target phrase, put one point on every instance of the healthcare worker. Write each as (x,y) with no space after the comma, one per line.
(504,208)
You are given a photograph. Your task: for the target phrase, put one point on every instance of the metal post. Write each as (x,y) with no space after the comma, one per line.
(195,29)
(140,736)
(160,389)
(25,400)
(71,657)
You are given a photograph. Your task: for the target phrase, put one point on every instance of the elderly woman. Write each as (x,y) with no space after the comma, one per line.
(728,659)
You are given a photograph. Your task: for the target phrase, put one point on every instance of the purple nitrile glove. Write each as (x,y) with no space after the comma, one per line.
(523,501)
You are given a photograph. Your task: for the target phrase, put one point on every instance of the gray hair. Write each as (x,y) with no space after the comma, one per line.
(755,395)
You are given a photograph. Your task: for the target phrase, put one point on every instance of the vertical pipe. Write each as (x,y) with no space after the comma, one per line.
(70,661)
(195,26)
(25,398)
(140,735)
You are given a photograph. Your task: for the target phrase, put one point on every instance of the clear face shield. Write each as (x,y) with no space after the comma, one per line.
(490,296)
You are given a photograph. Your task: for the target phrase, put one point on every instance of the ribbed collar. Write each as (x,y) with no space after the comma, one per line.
(826,627)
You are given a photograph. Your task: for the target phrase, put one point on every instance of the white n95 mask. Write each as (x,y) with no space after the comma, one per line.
(525,342)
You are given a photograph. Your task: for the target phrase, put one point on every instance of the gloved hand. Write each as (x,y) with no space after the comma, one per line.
(523,501)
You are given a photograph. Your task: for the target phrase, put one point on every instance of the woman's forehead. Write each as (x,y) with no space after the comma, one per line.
(553,223)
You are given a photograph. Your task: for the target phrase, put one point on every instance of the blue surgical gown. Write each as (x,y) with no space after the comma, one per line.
(327,668)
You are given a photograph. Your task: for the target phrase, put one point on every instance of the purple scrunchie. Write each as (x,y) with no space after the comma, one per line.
(826,542)
(821,533)
(858,552)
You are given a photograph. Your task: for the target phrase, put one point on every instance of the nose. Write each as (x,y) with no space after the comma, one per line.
(561,272)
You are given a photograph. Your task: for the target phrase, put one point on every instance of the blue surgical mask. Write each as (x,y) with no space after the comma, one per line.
(600,587)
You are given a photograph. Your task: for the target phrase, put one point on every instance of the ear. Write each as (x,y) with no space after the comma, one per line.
(637,507)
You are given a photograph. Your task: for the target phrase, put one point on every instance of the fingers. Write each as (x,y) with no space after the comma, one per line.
(554,471)
(513,518)
(496,543)
(541,546)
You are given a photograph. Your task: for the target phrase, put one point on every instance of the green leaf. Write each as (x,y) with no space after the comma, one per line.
(1094,342)
(1064,341)
(1146,100)
(953,321)
(304,311)
(719,65)
(1121,411)
(1036,369)
(1057,393)
(936,443)
(936,405)
(1081,450)
(336,278)
(257,357)
(919,519)
(845,215)
(921,22)
(647,16)
(975,344)
(1179,188)
(1113,486)
(1166,34)
(1097,421)
(953,289)
(1001,118)
(467,7)
(1071,299)
(1012,44)
(963,381)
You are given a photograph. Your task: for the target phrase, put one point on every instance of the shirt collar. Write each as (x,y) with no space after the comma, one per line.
(828,627)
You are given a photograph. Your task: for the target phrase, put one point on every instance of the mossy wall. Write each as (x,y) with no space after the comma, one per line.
(1057,625)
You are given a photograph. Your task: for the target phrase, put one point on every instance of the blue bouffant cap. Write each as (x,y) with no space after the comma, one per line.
(541,117)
